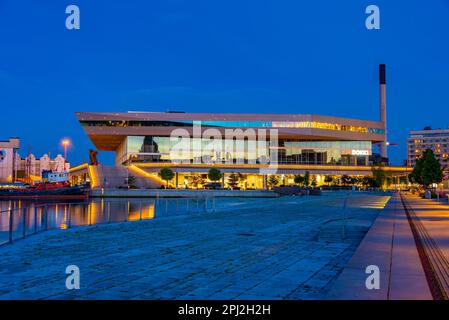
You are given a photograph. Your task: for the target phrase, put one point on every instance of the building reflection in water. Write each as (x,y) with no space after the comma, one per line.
(32,217)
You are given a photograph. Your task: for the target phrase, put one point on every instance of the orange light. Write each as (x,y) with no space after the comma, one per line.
(93,177)
(79,167)
(142,172)
(257,166)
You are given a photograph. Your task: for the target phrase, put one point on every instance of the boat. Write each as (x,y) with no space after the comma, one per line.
(54,185)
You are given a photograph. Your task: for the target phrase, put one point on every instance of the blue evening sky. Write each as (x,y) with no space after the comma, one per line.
(251,56)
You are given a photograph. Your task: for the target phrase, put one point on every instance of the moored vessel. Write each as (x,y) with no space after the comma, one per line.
(54,185)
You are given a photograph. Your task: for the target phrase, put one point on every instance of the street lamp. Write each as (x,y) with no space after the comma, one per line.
(65,143)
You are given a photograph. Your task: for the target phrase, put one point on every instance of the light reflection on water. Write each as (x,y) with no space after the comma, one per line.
(32,217)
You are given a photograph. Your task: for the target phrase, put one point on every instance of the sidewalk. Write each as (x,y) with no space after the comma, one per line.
(431,222)
(389,245)
(435,218)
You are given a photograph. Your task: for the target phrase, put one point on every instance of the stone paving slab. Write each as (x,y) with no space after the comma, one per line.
(389,245)
(435,218)
(245,253)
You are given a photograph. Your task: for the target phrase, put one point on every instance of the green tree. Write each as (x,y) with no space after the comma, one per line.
(166,174)
(370,182)
(307,179)
(427,170)
(299,179)
(234,179)
(242,178)
(214,174)
(273,181)
(380,176)
(195,180)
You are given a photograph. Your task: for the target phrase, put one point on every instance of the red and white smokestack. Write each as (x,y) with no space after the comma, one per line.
(383,109)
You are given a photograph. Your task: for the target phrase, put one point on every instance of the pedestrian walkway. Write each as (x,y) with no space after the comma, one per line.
(390,246)
(281,248)
(430,221)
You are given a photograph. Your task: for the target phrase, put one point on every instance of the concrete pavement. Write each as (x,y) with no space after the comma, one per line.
(390,246)
(287,248)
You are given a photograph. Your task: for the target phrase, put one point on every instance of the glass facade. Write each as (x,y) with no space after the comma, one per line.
(201,150)
(235,124)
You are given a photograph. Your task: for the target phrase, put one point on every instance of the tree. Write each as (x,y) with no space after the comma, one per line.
(314,182)
(379,175)
(368,181)
(233,180)
(242,177)
(307,179)
(427,170)
(345,179)
(214,174)
(299,179)
(273,181)
(328,179)
(167,174)
(195,180)
(355,180)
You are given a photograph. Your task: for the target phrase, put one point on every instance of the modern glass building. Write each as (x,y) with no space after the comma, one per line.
(245,143)
(300,139)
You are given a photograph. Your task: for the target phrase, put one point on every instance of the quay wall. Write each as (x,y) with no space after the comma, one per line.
(161,193)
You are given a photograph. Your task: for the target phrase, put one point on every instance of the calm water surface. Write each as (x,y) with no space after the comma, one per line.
(32,217)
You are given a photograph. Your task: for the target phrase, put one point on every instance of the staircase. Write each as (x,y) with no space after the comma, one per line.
(111,177)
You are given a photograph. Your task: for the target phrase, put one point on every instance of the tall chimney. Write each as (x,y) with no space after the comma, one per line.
(383,108)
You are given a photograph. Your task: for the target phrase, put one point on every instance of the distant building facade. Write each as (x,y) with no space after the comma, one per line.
(32,166)
(7,150)
(15,168)
(435,139)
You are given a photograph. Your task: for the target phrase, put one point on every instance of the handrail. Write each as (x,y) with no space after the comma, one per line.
(45,204)
(40,216)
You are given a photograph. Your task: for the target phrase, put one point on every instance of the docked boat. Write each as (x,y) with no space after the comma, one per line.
(54,185)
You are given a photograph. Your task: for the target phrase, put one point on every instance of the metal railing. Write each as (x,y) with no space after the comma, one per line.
(19,223)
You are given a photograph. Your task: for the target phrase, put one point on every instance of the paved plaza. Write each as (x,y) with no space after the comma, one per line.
(283,248)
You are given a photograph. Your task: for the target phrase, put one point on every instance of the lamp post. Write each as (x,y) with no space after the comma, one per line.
(65,143)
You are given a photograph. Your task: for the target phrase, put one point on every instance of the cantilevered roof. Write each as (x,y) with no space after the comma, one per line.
(107,130)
